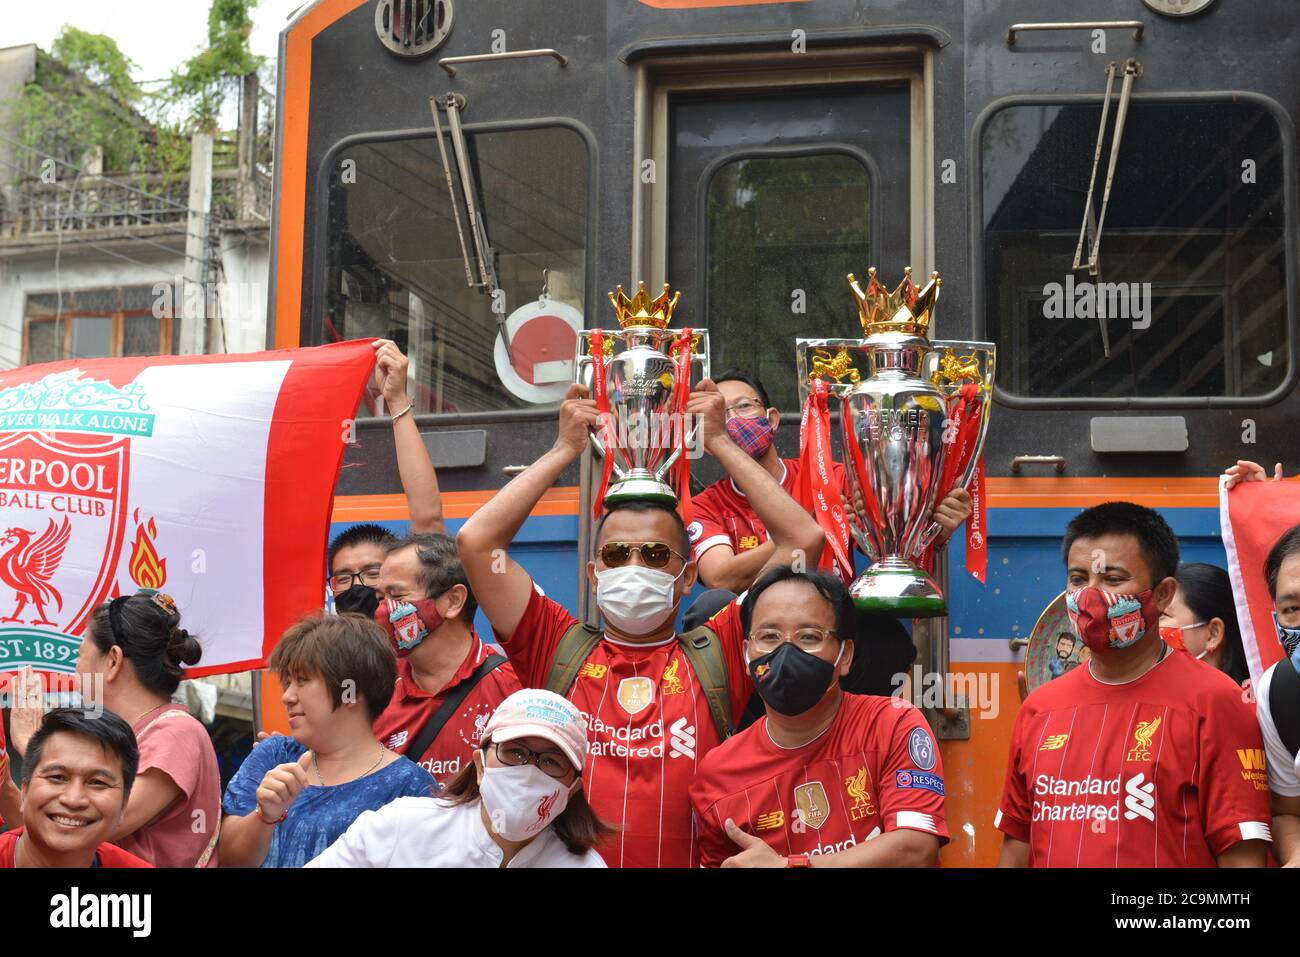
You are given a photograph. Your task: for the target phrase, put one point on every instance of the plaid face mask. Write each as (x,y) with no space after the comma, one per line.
(752,435)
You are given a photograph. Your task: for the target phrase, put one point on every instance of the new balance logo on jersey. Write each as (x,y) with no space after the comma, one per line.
(681,739)
(769,821)
(396,740)
(1139,798)
(1054,742)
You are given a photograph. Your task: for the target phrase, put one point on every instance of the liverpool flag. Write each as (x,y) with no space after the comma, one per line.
(207,477)
(1252,516)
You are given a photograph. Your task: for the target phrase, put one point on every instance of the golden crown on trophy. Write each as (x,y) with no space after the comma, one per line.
(641,310)
(904,310)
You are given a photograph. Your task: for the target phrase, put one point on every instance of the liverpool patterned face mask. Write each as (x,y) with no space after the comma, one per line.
(1107,621)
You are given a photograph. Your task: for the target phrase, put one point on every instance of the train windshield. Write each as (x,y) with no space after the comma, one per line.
(1189,296)
(396,269)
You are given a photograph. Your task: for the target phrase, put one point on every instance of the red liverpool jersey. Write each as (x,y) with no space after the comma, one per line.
(649,727)
(1163,771)
(723,515)
(874,770)
(412,706)
(106,855)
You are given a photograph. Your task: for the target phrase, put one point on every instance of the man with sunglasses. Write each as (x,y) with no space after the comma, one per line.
(648,710)
(826,778)
(356,554)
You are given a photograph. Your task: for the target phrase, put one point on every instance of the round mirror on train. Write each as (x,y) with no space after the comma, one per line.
(1053,647)
(538,365)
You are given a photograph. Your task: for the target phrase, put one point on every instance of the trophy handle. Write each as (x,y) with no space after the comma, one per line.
(950,364)
(582,374)
(824,358)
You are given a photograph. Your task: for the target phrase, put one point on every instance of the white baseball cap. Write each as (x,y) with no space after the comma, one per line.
(535,713)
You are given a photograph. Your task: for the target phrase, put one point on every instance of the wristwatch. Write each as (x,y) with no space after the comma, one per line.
(798,860)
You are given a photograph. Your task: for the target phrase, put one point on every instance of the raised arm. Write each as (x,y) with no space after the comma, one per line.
(792,531)
(502,587)
(722,567)
(419,480)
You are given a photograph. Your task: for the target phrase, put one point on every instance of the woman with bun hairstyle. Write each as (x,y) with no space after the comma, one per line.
(136,645)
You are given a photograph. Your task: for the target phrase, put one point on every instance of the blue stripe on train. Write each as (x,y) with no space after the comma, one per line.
(1025,570)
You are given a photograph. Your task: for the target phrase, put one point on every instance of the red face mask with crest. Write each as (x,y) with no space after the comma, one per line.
(1107,621)
(408,622)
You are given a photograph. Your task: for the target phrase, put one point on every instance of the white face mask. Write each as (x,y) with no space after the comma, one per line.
(634,599)
(521,801)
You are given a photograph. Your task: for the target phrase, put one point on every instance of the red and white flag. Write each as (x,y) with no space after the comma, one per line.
(1252,516)
(210,478)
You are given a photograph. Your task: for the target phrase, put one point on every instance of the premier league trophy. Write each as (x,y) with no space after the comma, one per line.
(640,377)
(915,422)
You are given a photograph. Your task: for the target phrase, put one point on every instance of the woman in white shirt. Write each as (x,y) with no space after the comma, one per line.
(520,804)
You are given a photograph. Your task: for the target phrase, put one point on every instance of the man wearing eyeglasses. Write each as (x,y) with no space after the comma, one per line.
(356,554)
(649,715)
(448,681)
(826,778)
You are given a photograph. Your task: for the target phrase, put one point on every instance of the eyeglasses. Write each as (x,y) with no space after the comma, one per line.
(747,408)
(653,554)
(811,640)
(515,755)
(367,576)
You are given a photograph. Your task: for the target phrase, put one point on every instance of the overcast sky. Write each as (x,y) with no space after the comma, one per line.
(157,34)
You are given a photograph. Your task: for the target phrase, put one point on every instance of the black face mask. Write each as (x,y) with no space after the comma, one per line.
(790,680)
(359,598)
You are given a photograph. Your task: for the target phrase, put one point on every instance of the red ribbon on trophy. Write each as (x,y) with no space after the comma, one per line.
(817,489)
(607,434)
(681,351)
(964,425)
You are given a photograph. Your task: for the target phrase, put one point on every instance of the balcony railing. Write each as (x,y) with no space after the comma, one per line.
(133,203)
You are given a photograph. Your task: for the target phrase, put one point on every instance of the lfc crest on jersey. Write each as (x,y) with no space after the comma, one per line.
(65,450)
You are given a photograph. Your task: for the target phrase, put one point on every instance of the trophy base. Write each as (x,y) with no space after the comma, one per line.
(894,586)
(640,490)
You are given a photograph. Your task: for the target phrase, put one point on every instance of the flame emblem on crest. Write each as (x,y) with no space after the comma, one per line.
(147,570)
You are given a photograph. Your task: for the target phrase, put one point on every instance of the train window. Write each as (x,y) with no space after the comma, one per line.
(782,233)
(1190,298)
(395,267)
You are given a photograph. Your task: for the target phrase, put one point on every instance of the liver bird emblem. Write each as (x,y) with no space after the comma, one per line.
(27,567)
(1146,730)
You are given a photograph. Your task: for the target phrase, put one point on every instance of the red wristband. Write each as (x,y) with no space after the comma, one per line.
(798,860)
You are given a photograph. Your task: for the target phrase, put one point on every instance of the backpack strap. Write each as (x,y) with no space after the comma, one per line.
(438,720)
(703,649)
(571,653)
(1284,704)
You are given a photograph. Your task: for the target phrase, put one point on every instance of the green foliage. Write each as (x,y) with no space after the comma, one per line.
(204,82)
(85,97)
(97,57)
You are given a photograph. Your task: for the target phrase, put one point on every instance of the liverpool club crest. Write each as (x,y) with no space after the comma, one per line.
(64,476)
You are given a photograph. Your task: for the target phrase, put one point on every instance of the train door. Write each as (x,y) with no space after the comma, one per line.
(776,183)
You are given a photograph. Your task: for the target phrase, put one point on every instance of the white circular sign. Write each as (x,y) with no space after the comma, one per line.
(1178,8)
(543,342)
